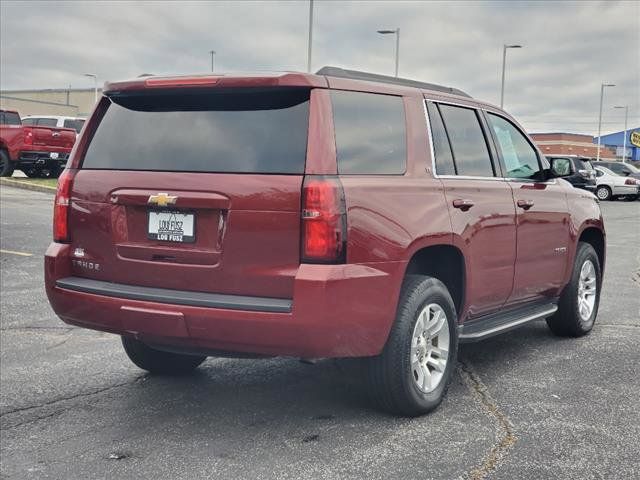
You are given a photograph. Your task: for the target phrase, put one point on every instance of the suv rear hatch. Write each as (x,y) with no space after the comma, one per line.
(193,189)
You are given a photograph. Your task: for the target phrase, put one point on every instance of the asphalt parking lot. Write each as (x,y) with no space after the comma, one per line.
(523,405)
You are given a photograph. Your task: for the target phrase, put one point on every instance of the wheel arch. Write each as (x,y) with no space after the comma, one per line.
(446,263)
(596,238)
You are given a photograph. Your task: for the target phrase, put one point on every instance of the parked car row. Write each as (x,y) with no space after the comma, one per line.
(607,180)
(39,146)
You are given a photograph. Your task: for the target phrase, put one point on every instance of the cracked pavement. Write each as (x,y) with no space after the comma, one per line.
(522,405)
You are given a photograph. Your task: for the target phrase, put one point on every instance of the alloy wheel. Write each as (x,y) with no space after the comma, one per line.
(430,348)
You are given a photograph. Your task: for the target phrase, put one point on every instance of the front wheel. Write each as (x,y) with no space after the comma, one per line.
(411,375)
(158,361)
(578,306)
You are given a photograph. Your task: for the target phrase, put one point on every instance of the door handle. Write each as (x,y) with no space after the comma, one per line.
(526,204)
(463,204)
(55,134)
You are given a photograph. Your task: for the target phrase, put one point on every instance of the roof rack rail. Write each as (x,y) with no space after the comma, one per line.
(373,77)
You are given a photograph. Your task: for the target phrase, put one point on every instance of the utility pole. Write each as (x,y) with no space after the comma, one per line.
(602,87)
(504,64)
(396,32)
(212,53)
(95,85)
(310,41)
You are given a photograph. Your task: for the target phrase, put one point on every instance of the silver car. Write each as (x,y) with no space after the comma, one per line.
(610,186)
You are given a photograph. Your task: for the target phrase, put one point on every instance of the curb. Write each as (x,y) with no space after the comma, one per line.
(27,186)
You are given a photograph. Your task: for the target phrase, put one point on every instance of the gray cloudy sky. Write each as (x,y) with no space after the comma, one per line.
(553,83)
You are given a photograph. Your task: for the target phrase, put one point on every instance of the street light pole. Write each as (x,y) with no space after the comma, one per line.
(504,64)
(395,31)
(95,85)
(310,41)
(602,86)
(624,141)
(212,53)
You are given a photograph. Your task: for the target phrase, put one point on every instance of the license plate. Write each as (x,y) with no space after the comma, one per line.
(170,226)
(53,155)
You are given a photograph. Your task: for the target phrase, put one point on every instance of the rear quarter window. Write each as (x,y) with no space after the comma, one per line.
(261,131)
(370,133)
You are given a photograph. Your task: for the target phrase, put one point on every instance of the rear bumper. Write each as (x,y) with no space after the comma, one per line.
(42,159)
(336,311)
(626,190)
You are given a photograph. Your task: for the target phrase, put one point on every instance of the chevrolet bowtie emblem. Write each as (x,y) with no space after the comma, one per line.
(162,199)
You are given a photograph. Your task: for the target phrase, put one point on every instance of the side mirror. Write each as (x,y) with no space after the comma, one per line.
(560,167)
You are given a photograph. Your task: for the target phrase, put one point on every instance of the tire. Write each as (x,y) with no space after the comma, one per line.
(53,172)
(603,193)
(572,319)
(158,361)
(6,165)
(393,377)
(33,173)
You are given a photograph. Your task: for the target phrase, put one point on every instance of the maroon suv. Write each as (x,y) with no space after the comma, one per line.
(340,214)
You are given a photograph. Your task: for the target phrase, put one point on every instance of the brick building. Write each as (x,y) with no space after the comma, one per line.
(571,144)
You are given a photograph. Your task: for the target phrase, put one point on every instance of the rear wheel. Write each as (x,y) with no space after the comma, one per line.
(411,375)
(603,192)
(158,361)
(6,165)
(580,299)
(33,172)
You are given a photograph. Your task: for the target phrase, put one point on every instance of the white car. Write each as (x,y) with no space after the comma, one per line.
(610,185)
(55,121)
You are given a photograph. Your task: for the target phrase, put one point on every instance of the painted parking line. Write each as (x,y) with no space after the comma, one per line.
(13,252)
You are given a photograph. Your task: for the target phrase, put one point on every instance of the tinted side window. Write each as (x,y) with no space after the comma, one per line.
(520,158)
(370,133)
(469,146)
(9,118)
(441,148)
(47,122)
(29,121)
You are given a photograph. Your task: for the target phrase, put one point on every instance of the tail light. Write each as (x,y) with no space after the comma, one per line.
(324,220)
(61,206)
(631,181)
(28,137)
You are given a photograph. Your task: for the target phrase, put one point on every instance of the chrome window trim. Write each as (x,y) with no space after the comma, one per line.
(433,156)
(463,177)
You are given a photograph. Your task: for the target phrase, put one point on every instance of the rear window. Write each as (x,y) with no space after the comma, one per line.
(370,133)
(9,118)
(47,122)
(262,131)
(76,124)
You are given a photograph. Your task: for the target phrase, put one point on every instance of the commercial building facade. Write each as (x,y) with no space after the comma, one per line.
(75,102)
(572,144)
(616,141)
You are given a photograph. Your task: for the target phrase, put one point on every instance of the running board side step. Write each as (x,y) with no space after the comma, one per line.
(497,323)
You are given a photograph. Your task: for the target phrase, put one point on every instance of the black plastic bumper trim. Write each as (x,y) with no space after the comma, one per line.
(177,297)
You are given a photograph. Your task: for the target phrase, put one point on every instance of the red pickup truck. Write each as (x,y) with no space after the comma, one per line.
(36,150)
